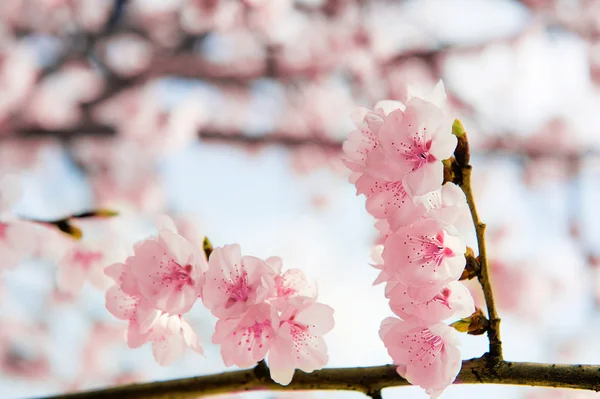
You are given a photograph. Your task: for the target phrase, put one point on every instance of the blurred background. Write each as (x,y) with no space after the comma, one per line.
(229,116)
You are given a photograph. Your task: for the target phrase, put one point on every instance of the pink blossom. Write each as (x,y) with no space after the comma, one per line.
(431,304)
(424,253)
(18,241)
(168,272)
(385,196)
(426,354)
(365,139)
(24,350)
(55,101)
(447,205)
(130,306)
(246,340)
(290,284)
(168,333)
(374,174)
(436,96)
(235,282)
(377,257)
(416,141)
(81,263)
(299,343)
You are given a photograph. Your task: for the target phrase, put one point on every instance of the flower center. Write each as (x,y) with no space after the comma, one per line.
(180,275)
(429,250)
(442,297)
(238,290)
(256,334)
(430,346)
(416,151)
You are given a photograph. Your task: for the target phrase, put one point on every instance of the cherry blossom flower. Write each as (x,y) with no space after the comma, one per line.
(436,96)
(299,343)
(168,271)
(168,333)
(431,304)
(235,282)
(447,205)
(385,196)
(81,263)
(290,284)
(246,340)
(416,141)
(377,257)
(365,139)
(426,354)
(425,253)
(18,241)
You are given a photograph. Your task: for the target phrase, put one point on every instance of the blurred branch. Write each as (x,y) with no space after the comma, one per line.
(505,146)
(367,380)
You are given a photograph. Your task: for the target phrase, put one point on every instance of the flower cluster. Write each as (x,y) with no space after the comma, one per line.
(154,289)
(260,309)
(395,156)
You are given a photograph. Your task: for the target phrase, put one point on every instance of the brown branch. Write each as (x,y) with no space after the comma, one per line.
(285,139)
(91,130)
(367,380)
(462,154)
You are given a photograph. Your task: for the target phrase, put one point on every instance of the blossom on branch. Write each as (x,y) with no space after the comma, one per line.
(265,312)
(416,141)
(395,158)
(425,253)
(154,288)
(426,354)
(299,342)
(234,282)
(431,303)
(246,340)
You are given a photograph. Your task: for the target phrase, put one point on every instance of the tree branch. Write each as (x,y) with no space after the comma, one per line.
(367,380)
(88,128)
(462,154)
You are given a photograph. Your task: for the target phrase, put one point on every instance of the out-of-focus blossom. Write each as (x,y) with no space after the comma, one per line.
(127,55)
(24,350)
(18,73)
(55,101)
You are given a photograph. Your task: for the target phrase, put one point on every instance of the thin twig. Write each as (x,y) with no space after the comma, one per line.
(463,157)
(362,379)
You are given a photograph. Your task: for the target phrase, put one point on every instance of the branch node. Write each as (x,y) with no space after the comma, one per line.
(261,371)
(375,394)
